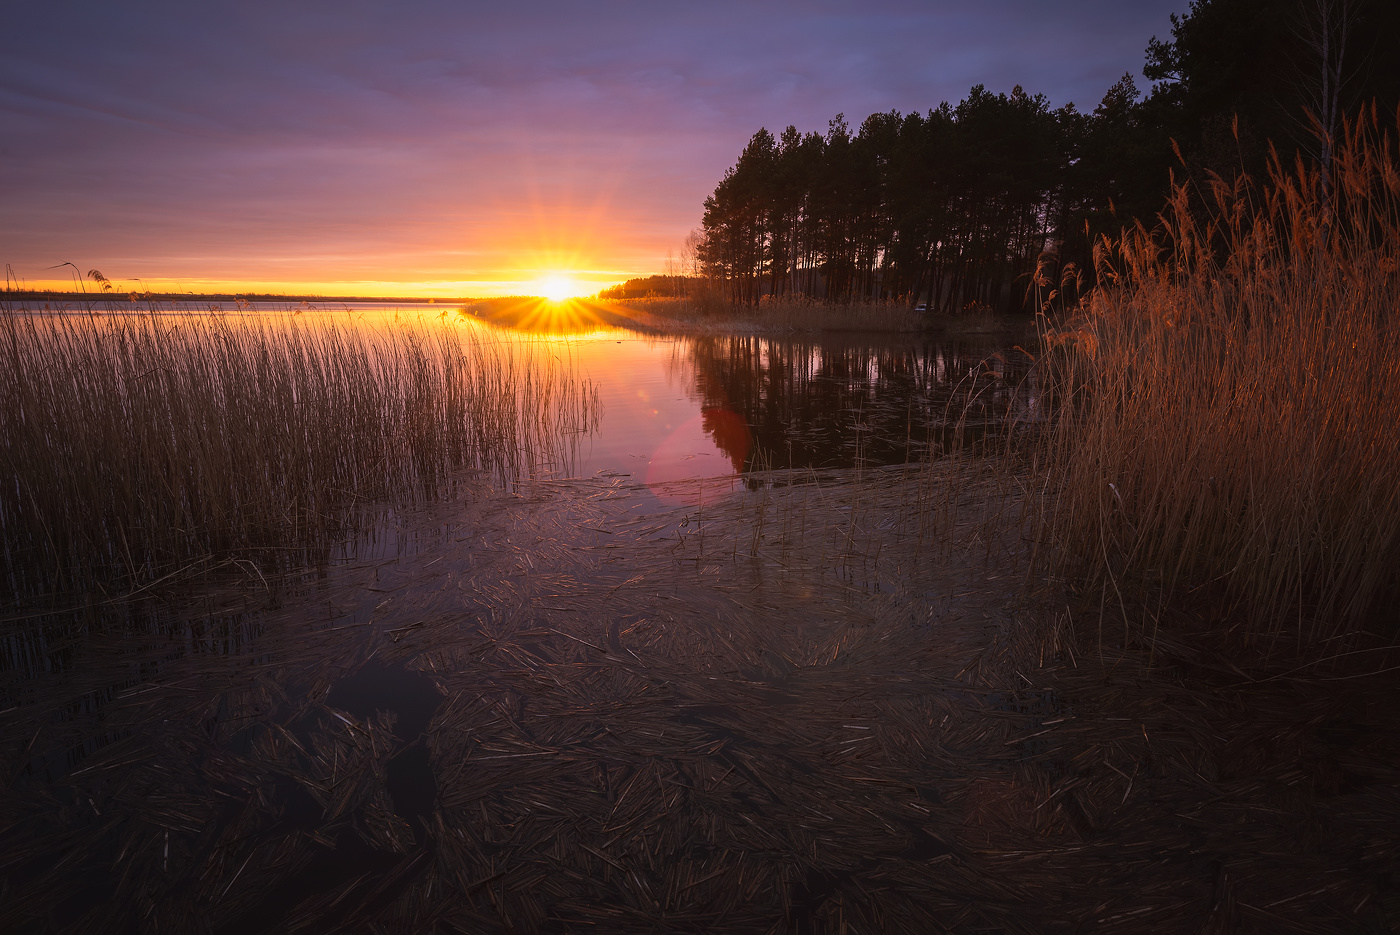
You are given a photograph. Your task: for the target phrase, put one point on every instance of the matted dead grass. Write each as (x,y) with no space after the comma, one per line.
(820,703)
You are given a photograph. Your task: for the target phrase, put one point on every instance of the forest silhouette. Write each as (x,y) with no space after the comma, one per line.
(959,206)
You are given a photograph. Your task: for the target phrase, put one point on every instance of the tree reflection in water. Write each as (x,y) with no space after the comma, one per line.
(843,401)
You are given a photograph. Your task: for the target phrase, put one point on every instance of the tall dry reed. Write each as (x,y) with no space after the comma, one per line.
(134,444)
(1229,409)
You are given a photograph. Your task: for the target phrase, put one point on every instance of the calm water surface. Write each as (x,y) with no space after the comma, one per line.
(706,406)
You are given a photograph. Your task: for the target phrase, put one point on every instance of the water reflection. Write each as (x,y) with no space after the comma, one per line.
(841,401)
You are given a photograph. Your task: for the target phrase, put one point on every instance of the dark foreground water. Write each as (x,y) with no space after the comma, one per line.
(584,705)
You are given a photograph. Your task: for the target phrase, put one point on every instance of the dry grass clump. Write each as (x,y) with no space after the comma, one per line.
(1229,407)
(134,444)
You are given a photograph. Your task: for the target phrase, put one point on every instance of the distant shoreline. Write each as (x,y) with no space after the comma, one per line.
(30,295)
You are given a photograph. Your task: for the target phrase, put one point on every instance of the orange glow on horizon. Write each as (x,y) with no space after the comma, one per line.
(558,252)
(554,287)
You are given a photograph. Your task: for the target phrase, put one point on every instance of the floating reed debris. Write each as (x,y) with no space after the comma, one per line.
(135,444)
(1228,409)
(575,709)
(592,754)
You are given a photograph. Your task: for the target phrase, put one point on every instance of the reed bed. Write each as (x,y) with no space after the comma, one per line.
(1228,404)
(134,445)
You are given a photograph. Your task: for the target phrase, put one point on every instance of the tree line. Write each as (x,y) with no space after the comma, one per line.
(959,205)
(670,284)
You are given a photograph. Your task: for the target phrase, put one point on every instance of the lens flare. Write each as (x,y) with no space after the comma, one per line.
(557,288)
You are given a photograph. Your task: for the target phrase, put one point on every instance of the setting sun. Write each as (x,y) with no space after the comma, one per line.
(557,288)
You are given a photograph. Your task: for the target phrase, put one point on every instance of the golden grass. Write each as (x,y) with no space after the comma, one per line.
(1229,404)
(134,444)
(543,316)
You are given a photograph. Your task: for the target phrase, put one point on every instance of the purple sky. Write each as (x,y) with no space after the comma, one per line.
(461,148)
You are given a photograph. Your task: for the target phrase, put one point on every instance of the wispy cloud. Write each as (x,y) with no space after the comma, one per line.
(436,140)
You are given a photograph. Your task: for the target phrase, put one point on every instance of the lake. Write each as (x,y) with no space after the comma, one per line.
(711,667)
(693,406)
(705,406)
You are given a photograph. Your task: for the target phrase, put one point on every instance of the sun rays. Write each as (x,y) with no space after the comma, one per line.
(558,287)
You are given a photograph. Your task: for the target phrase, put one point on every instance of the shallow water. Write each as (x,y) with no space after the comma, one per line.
(579,701)
(614,694)
(704,406)
(690,406)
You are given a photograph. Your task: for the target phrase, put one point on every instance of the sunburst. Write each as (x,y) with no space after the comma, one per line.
(557,287)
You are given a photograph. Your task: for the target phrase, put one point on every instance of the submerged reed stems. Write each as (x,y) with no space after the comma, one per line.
(1228,408)
(134,444)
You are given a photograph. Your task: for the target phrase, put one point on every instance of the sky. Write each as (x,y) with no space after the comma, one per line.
(461,148)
